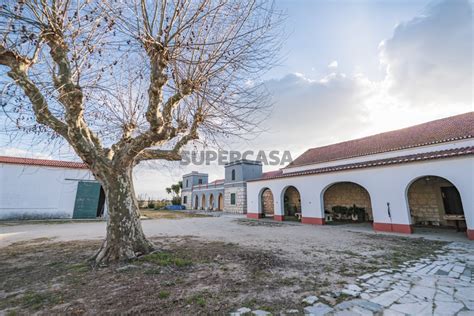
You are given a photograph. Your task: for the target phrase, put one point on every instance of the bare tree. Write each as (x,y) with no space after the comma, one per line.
(127,81)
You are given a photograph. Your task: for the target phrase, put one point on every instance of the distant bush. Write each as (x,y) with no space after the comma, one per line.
(160,204)
(151,204)
(176,200)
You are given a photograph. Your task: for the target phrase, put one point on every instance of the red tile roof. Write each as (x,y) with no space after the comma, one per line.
(42,162)
(271,174)
(441,154)
(434,132)
(218,181)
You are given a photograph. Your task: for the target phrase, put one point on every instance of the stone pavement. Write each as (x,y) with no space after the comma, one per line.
(441,285)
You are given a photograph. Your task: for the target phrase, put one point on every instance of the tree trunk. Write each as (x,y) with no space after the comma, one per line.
(125,238)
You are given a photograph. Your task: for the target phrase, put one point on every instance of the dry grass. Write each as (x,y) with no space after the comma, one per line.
(187,276)
(163,214)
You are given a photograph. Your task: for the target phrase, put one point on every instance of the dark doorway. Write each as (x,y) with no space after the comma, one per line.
(452,201)
(101,205)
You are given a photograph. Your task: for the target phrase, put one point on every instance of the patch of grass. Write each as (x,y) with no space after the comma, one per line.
(152,271)
(163,294)
(166,259)
(37,300)
(79,267)
(198,299)
(55,264)
(11,313)
(250,303)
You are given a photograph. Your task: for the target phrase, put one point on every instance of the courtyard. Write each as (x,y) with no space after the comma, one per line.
(224,264)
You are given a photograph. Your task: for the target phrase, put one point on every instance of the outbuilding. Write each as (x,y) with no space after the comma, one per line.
(46,189)
(417,176)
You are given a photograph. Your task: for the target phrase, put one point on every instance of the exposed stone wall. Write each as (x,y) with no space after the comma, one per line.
(347,194)
(292,201)
(240,200)
(426,202)
(267,202)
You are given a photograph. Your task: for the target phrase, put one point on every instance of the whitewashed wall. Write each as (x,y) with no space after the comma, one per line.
(37,192)
(384,184)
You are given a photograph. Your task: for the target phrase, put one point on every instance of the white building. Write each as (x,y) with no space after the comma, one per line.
(421,175)
(39,189)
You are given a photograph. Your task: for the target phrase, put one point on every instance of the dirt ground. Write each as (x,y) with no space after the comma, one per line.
(197,275)
(163,214)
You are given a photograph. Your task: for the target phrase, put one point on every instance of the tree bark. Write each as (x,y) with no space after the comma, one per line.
(125,238)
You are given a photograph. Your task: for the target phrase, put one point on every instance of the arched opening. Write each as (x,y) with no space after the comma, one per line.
(347,202)
(203,202)
(211,202)
(233,174)
(196,202)
(435,201)
(267,205)
(292,203)
(220,202)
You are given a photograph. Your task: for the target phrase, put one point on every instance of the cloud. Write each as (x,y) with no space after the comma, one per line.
(428,63)
(311,112)
(333,64)
(429,58)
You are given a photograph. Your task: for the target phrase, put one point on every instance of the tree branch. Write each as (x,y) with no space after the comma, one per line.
(18,71)
(175,153)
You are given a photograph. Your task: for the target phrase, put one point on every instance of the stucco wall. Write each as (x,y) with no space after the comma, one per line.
(207,193)
(36,192)
(387,187)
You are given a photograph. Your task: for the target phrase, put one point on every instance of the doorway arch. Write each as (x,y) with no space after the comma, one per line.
(211,202)
(267,203)
(196,202)
(220,202)
(203,202)
(291,205)
(347,202)
(435,201)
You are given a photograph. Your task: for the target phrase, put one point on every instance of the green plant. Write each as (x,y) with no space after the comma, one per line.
(176,200)
(163,294)
(166,259)
(175,191)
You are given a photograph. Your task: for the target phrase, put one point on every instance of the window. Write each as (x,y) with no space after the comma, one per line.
(187,183)
(232,199)
(185,199)
(200,181)
(233,174)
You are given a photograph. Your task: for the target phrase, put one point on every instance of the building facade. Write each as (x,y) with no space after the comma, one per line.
(45,189)
(418,176)
(228,194)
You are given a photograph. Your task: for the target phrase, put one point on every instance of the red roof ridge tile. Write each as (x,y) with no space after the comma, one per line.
(443,130)
(440,154)
(42,162)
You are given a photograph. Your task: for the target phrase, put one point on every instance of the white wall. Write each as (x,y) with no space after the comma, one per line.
(384,184)
(38,192)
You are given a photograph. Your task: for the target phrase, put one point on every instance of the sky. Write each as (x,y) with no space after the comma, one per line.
(350,69)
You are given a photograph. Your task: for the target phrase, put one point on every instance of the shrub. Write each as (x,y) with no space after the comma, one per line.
(176,200)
